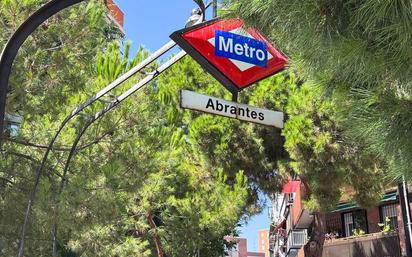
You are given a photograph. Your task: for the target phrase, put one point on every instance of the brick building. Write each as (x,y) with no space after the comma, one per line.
(240,248)
(116,16)
(351,230)
(263,241)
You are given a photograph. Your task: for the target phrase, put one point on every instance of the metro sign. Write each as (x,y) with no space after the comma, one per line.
(236,56)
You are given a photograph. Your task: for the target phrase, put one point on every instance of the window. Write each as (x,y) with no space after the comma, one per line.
(389,211)
(334,224)
(355,220)
(348,219)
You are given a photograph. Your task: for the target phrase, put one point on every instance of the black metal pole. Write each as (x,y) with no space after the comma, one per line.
(12,47)
(63,182)
(235,96)
(214,8)
(404,202)
(8,56)
(89,122)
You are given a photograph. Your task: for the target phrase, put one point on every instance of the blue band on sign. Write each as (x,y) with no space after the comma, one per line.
(240,48)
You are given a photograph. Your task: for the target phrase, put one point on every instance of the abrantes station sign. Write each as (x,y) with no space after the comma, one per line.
(236,56)
(204,103)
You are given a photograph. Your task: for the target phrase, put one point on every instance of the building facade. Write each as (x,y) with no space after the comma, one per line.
(116,18)
(240,248)
(263,241)
(116,14)
(351,231)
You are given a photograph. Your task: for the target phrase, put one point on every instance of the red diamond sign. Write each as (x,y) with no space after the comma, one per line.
(236,56)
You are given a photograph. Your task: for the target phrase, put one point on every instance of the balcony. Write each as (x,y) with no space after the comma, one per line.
(369,245)
(297,238)
(304,220)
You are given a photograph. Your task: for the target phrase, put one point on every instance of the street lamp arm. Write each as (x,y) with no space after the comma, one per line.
(12,46)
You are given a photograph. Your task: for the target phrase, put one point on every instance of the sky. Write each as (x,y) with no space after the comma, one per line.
(258,222)
(150,23)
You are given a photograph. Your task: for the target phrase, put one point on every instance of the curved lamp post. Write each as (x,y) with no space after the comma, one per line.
(7,58)
(12,47)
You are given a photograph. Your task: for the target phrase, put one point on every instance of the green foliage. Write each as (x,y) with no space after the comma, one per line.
(106,240)
(385,227)
(358,232)
(312,144)
(222,142)
(52,70)
(150,174)
(349,123)
(137,165)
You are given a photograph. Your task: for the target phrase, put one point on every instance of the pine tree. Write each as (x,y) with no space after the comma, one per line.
(359,52)
(135,186)
(355,57)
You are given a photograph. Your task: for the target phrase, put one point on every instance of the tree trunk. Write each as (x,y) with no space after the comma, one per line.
(314,247)
(159,249)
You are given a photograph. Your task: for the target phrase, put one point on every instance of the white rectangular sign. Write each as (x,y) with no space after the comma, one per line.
(204,103)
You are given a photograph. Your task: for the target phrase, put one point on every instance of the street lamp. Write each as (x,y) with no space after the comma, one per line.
(196,16)
(12,124)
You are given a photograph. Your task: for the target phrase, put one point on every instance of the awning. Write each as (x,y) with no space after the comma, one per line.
(345,206)
(389,197)
(291,186)
(351,205)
